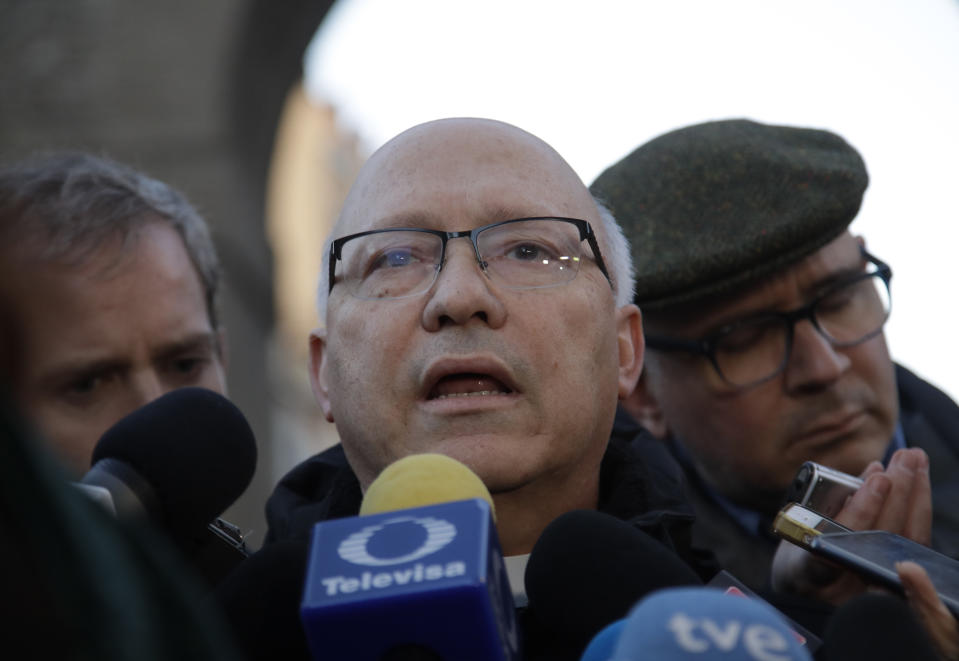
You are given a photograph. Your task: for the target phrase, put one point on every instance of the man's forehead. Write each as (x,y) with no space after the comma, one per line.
(479,170)
(776,291)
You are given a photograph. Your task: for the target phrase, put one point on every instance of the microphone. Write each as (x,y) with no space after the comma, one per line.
(260,600)
(733,586)
(587,570)
(703,624)
(876,626)
(179,462)
(423,479)
(603,644)
(419,575)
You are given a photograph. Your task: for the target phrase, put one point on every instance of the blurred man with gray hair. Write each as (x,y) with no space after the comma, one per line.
(112,281)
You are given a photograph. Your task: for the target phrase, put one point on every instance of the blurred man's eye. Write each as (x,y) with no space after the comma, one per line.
(185,365)
(190,365)
(84,385)
(83,389)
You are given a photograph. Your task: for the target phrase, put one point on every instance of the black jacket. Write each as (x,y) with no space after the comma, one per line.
(639,483)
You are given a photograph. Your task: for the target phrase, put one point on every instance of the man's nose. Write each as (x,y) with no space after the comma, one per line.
(462,292)
(813,362)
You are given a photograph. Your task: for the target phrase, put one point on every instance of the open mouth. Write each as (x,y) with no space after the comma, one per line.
(467,384)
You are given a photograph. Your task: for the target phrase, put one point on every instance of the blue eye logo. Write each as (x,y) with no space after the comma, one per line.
(391,541)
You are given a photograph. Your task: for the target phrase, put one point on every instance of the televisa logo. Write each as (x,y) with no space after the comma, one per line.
(355,549)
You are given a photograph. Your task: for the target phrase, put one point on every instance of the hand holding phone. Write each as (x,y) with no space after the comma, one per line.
(872,554)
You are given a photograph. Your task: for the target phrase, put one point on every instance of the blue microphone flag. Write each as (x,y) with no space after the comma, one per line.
(428,576)
(706,624)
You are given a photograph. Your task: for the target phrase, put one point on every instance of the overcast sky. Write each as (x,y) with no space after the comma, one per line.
(596,79)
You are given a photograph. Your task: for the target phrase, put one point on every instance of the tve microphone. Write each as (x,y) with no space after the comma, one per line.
(875,627)
(426,582)
(588,569)
(731,585)
(178,462)
(603,644)
(705,624)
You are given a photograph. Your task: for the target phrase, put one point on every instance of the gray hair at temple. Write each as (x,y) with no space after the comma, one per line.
(66,205)
(616,254)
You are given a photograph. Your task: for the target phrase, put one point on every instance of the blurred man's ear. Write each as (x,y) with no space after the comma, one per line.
(318,377)
(644,407)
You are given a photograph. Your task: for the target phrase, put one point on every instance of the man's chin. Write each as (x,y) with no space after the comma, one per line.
(767,500)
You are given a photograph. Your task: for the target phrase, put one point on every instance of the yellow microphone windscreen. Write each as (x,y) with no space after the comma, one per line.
(423,479)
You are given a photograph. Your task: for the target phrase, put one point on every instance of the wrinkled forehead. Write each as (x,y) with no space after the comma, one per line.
(458,174)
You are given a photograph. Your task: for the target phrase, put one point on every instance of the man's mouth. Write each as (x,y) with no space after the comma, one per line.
(468,385)
(835,429)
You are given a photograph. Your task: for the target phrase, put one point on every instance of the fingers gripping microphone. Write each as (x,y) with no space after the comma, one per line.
(419,575)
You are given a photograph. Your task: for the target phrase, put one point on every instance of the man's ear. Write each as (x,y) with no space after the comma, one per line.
(643,405)
(631,347)
(319,380)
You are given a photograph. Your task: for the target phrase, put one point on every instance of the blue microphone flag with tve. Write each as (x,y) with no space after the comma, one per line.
(428,577)
(706,624)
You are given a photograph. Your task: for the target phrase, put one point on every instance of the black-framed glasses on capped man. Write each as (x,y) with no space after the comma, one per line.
(755,349)
(523,253)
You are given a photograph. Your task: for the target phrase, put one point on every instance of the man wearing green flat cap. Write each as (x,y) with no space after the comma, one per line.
(764,319)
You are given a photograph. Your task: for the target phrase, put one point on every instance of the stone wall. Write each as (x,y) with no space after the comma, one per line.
(189,92)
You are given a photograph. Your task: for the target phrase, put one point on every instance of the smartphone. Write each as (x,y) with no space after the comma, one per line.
(874,554)
(821,489)
(871,553)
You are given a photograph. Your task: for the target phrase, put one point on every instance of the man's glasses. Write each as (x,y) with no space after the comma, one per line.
(756,349)
(525,253)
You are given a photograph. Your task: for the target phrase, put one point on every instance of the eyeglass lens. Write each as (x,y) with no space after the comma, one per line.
(522,254)
(758,349)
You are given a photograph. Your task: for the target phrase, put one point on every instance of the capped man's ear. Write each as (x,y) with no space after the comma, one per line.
(644,407)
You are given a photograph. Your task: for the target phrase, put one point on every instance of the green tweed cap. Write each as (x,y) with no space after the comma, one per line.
(716,205)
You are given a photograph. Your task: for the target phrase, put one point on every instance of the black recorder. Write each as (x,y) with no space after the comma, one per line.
(821,489)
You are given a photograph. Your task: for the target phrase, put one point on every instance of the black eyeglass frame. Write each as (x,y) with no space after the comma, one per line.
(706,346)
(586,233)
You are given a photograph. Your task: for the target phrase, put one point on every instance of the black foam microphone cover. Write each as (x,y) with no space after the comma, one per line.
(875,627)
(193,449)
(588,569)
